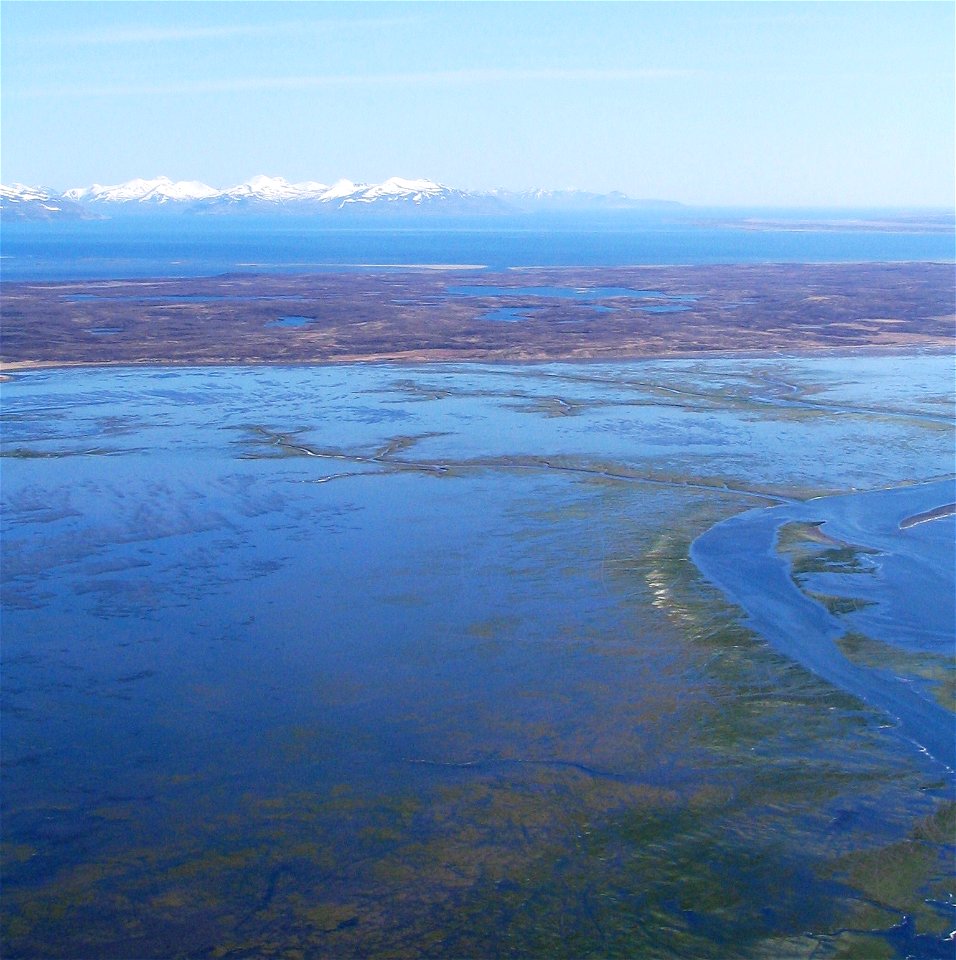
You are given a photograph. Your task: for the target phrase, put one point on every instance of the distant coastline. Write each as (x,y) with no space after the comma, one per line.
(944,223)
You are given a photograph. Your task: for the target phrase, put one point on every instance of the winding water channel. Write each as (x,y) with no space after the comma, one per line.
(916,586)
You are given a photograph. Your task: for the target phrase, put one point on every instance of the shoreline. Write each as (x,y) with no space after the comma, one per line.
(412,358)
(241,272)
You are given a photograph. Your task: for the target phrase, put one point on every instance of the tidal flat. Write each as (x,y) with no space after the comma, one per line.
(364,660)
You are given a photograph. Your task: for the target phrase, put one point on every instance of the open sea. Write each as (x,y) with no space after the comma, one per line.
(623,659)
(181,246)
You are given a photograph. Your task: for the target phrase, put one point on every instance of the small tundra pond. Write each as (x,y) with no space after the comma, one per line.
(644,659)
(534,298)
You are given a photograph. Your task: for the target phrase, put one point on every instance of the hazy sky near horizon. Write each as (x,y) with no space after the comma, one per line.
(760,103)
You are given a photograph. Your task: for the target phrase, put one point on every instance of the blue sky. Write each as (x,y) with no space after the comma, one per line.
(721,103)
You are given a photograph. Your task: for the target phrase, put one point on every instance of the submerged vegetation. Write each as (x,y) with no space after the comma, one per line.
(470,699)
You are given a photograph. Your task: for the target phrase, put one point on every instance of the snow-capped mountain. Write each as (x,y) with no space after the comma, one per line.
(160,190)
(418,191)
(313,196)
(20,202)
(273,190)
(395,196)
(20,192)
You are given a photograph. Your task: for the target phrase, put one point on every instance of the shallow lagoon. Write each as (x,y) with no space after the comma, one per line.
(410,661)
(589,297)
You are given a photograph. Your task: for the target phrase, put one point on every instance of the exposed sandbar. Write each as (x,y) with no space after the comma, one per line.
(937,513)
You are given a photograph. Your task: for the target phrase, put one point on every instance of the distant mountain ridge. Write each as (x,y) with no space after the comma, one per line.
(19,202)
(262,193)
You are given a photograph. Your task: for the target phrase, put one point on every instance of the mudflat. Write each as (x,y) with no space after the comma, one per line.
(391,661)
(523,314)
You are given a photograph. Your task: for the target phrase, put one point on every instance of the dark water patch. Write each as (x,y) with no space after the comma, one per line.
(139,675)
(585,296)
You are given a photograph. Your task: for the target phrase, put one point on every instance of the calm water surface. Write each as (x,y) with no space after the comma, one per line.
(378,661)
(187,247)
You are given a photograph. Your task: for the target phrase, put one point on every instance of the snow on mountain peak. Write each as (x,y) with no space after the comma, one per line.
(278,190)
(262,182)
(259,188)
(21,202)
(397,188)
(414,186)
(309,197)
(158,190)
(19,192)
(185,190)
(274,190)
(340,189)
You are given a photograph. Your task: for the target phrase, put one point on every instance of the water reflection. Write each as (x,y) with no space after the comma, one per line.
(396,661)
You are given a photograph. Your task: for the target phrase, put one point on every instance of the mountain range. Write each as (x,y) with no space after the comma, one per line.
(308,198)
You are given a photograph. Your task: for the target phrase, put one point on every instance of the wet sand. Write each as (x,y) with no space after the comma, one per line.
(937,513)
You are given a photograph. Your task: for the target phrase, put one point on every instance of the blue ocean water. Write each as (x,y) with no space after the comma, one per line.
(181,246)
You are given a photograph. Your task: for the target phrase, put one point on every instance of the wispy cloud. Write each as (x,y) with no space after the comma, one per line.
(141,34)
(252,84)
